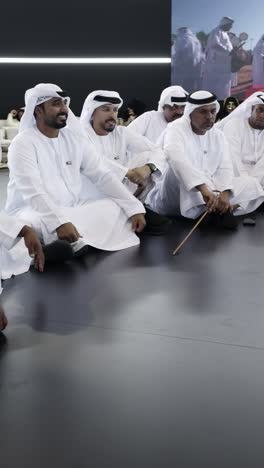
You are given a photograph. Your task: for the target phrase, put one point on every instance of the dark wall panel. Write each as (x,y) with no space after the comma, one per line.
(141,81)
(87,29)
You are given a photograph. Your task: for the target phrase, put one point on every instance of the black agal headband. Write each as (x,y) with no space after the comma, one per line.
(178,99)
(63,94)
(112,100)
(201,102)
(261,98)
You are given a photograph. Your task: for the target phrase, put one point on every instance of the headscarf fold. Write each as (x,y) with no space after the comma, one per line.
(96,99)
(41,93)
(243,111)
(172,95)
(199,99)
(226,20)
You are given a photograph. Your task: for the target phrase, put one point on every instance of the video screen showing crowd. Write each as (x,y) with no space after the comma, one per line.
(76,184)
(214,61)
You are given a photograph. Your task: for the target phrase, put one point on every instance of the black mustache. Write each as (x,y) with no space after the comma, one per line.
(62,113)
(111,120)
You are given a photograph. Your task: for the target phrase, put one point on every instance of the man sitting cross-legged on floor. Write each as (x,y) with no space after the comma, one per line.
(46,160)
(199,165)
(137,162)
(244,131)
(20,247)
(18,244)
(171,106)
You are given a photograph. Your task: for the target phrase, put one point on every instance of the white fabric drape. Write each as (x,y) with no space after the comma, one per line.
(14,258)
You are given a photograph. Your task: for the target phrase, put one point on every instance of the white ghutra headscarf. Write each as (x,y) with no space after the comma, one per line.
(96,99)
(41,93)
(243,111)
(171,96)
(226,20)
(199,99)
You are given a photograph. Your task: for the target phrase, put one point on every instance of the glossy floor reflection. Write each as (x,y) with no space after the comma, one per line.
(138,358)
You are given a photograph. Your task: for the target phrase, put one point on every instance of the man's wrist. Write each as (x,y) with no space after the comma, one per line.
(201,187)
(24,231)
(129,172)
(152,167)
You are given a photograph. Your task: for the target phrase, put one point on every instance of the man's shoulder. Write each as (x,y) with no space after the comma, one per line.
(179,125)
(68,133)
(216,133)
(151,115)
(214,32)
(122,131)
(180,131)
(216,29)
(26,137)
(146,116)
(236,123)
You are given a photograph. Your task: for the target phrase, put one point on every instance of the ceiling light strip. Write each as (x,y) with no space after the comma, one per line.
(62,60)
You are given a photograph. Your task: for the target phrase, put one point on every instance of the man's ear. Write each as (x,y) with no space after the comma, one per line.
(93,115)
(38,111)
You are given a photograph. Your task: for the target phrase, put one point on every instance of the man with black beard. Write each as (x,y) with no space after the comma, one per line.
(136,161)
(244,131)
(46,161)
(171,106)
(200,174)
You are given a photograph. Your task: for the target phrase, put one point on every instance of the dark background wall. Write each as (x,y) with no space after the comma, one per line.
(91,28)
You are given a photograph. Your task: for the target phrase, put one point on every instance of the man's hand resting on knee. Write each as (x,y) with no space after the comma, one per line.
(209,197)
(34,246)
(139,176)
(138,222)
(223,202)
(68,232)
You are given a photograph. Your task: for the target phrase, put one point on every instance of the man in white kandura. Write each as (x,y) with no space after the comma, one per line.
(258,64)
(199,164)
(171,107)
(186,61)
(46,161)
(244,131)
(134,159)
(18,244)
(217,69)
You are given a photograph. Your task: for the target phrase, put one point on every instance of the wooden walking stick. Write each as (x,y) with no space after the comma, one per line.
(232,208)
(194,227)
(190,233)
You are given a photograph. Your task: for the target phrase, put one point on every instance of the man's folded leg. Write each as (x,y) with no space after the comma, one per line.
(156,224)
(58,251)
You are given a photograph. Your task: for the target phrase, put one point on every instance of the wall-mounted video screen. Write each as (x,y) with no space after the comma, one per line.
(218,47)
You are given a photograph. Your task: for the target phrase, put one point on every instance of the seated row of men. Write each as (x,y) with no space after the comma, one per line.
(93,183)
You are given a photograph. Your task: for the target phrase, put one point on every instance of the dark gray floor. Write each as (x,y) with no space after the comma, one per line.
(138,358)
